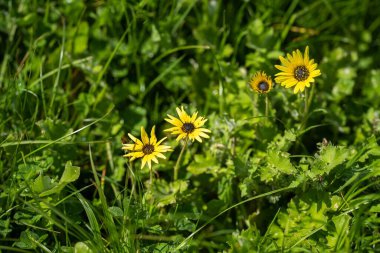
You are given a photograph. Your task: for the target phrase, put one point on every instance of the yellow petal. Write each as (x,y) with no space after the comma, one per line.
(174,121)
(153,138)
(144,136)
(290,57)
(284,61)
(283,68)
(134,139)
(290,83)
(128,146)
(183,115)
(315,73)
(143,162)
(181,136)
(313,66)
(193,117)
(204,130)
(299,57)
(135,154)
(198,138)
(302,87)
(306,56)
(154,159)
(159,155)
(199,122)
(158,143)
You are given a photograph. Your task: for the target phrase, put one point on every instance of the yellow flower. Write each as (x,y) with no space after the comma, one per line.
(147,149)
(297,70)
(261,83)
(188,127)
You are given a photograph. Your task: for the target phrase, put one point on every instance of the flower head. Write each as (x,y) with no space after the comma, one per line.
(146,148)
(297,70)
(187,127)
(261,83)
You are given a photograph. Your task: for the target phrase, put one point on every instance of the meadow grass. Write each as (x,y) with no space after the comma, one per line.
(281,172)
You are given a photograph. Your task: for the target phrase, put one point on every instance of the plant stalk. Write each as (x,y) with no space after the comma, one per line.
(179,159)
(266,107)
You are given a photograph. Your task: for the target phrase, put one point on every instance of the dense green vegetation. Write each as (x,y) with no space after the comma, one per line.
(77,76)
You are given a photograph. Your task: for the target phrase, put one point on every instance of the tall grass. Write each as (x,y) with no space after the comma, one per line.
(77,76)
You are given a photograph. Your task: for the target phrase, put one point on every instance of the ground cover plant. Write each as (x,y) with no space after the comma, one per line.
(189,126)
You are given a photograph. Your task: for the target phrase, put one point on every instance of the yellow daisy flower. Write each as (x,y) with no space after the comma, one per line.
(261,83)
(187,127)
(297,70)
(146,148)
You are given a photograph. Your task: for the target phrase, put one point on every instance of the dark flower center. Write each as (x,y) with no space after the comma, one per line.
(301,73)
(148,149)
(188,127)
(263,86)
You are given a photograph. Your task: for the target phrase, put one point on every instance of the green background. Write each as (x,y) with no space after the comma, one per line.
(77,76)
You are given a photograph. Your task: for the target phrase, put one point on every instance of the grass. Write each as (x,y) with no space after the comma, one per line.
(276,175)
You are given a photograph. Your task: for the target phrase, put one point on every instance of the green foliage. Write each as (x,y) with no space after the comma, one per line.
(77,76)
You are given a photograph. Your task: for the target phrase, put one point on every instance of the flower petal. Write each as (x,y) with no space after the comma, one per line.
(284,61)
(158,143)
(134,139)
(183,115)
(144,136)
(153,138)
(306,56)
(174,121)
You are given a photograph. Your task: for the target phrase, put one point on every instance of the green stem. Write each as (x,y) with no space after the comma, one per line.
(266,107)
(179,159)
(305,111)
(132,176)
(151,176)
(306,104)
(253,105)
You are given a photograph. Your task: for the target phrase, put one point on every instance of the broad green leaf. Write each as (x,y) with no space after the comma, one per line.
(164,193)
(27,240)
(70,174)
(42,183)
(116,211)
(81,247)
(81,39)
(278,163)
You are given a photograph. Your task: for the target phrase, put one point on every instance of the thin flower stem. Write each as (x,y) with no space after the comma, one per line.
(179,159)
(132,176)
(151,176)
(305,111)
(306,104)
(266,107)
(253,106)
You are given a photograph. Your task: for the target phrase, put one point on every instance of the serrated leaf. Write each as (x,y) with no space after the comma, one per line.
(165,193)
(333,155)
(277,163)
(203,164)
(281,162)
(329,157)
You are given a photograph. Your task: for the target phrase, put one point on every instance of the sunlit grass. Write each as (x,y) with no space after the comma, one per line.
(280,172)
